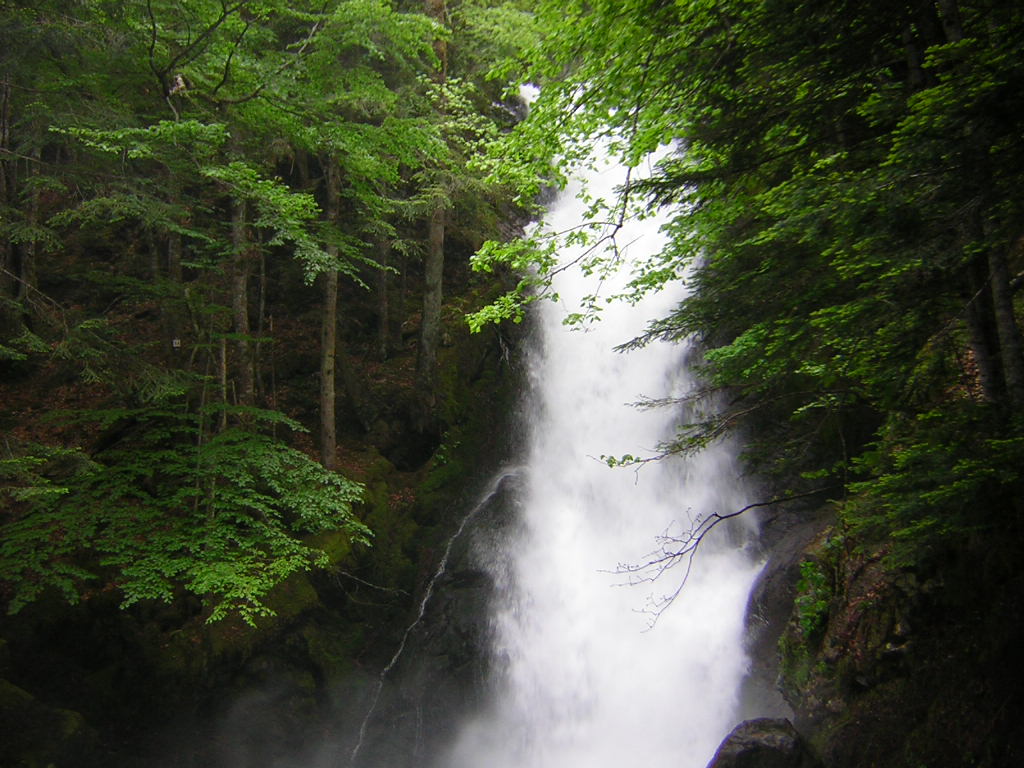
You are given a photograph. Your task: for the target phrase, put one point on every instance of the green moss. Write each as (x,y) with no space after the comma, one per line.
(395,538)
(798,662)
(333,648)
(337,545)
(12,697)
(475,393)
(233,638)
(290,598)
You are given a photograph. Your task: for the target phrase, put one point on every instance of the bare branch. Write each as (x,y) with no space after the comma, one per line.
(680,549)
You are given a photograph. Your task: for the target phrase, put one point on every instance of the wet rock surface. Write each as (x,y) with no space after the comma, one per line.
(441,673)
(764,743)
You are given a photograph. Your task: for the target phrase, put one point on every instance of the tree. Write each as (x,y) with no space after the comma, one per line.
(845,217)
(430,327)
(180,482)
(466,119)
(353,122)
(160,162)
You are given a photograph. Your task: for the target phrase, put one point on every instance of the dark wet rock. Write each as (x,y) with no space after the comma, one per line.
(442,671)
(763,743)
(787,535)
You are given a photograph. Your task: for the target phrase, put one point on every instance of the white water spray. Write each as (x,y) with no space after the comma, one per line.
(581,683)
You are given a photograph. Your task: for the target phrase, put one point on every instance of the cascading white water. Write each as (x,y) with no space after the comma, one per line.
(582,682)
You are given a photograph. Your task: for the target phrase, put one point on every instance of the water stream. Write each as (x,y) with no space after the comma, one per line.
(582,680)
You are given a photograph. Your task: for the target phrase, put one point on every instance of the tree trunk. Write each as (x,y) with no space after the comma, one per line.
(949,15)
(430,329)
(27,274)
(383,300)
(328,356)
(175,249)
(7,168)
(241,265)
(223,371)
(10,316)
(438,11)
(398,318)
(914,58)
(261,310)
(329,329)
(1010,346)
(984,341)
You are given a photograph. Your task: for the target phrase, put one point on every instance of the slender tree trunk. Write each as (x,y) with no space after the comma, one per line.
(328,357)
(984,341)
(261,309)
(175,242)
(223,371)
(7,169)
(10,316)
(241,264)
(175,250)
(1010,346)
(949,15)
(329,330)
(175,313)
(430,328)
(915,61)
(398,318)
(28,278)
(383,300)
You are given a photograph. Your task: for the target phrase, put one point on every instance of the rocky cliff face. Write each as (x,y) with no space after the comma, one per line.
(894,668)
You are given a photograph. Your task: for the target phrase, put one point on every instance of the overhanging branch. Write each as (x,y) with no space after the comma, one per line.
(680,549)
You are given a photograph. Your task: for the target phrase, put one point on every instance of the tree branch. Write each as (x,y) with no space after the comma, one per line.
(674,550)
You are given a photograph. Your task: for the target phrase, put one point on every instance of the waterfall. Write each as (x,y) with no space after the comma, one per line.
(581,678)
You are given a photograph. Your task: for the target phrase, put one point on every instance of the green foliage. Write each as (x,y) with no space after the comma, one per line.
(936,479)
(171,505)
(814,596)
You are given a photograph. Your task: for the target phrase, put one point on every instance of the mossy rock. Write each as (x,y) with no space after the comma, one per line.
(337,545)
(39,736)
(332,649)
(293,596)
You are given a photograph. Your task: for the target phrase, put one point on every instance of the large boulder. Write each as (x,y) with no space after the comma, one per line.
(763,743)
